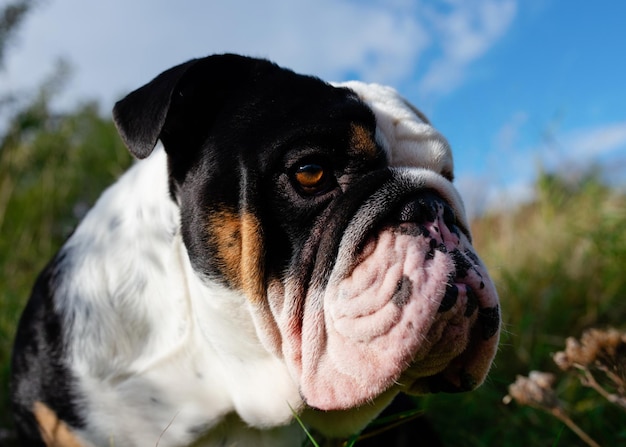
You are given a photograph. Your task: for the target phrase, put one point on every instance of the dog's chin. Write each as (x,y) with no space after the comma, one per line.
(416,312)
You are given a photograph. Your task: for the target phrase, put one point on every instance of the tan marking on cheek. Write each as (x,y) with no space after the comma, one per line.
(361,141)
(252,254)
(239,242)
(55,432)
(225,232)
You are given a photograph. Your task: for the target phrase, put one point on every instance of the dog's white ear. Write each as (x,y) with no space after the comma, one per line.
(140,116)
(180,103)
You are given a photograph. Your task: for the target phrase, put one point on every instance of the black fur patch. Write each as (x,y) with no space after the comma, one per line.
(39,369)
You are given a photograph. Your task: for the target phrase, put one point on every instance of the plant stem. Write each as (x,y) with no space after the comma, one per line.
(590,381)
(561,415)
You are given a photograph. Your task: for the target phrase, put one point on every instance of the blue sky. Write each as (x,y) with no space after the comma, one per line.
(512,84)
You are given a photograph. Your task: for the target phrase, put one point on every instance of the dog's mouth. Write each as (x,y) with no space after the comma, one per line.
(413,308)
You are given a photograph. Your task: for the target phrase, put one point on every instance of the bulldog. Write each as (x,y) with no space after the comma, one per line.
(285,251)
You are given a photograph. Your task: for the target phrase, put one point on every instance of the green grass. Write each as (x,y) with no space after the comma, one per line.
(560,267)
(52,168)
(559,264)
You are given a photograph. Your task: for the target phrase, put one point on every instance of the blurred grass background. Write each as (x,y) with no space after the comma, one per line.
(559,262)
(560,267)
(52,168)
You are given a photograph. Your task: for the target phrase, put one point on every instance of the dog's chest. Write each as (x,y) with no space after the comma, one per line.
(193,393)
(188,373)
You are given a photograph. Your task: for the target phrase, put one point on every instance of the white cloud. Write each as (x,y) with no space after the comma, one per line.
(466,32)
(574,150)
(509,196)
(512,179)
(482,194)
(596,141)
(118,45)
(508,135)
(333,39)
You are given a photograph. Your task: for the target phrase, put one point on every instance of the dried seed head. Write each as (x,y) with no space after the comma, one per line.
(534,390)
(605,349)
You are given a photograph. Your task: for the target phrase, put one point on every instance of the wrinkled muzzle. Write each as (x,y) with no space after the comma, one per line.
(407,304)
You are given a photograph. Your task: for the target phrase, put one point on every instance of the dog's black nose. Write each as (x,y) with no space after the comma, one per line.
(425,207)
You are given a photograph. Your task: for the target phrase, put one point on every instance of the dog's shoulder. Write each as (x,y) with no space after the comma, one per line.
(116,266)
(61,340)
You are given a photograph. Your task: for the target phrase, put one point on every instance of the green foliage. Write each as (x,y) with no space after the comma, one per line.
(559,266)
(11,16)
(52,168)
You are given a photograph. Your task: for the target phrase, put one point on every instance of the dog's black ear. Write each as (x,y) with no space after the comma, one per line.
(140,116)
(188,95)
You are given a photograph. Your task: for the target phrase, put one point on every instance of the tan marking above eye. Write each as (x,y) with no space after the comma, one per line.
(361,141)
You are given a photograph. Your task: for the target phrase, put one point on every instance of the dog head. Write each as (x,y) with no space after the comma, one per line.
(332,209)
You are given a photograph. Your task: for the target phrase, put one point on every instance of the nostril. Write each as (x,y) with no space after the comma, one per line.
(425,207)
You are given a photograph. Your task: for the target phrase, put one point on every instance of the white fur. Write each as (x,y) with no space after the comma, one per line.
(158,352)
(402,131)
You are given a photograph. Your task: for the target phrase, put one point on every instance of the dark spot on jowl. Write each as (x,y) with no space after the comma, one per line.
(472,302)
(489,317)
(403,291)
(462,263)
(449,298)
(470,254)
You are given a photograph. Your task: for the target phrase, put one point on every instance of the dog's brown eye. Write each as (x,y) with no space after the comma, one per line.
(311,178)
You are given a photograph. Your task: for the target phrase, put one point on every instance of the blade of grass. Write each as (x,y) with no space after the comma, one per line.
(306,431)
(384,424)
